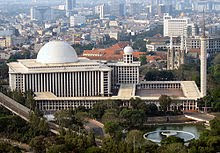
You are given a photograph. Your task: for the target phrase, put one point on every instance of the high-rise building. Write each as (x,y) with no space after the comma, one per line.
(174,27)
(70,5)
(117,8)
(77,20)
(102,10)
(41,13)
(161,9)
(149,10)
(206,5)
(134,9)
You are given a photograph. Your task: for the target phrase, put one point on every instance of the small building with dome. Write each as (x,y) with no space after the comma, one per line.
(62,80)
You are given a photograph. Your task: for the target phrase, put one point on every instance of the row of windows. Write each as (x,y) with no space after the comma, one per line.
(60,105)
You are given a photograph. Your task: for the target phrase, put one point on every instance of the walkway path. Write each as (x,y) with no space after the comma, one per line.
(202,117)
(22,146)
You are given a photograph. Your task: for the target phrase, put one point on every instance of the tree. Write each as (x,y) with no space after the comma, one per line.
(81,116)
(155,75)
(98,110)
(135,138)
(80,48)
(173,148)
(200,146)
(94,150)
(215,124)
(132,118)
(66,118)
(112,128)
(18,96)
(38,144)
(58,148)
(77,143)
(30,102)
(143,59)
(217,59)
(152,109)
(20,55)
(135,102)
(140,45)
(111,115)
(217,106)
(165,102)
(109,145)
(91,139)
(7,148)
(149,147)
(3,71)
(172,139)
(216,72)
(38,125)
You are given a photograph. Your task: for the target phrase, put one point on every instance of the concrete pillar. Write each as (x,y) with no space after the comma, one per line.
(109,82)
(71,84)
(67,84)
(102,83)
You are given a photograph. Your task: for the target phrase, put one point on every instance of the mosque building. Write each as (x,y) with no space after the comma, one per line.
(62,80)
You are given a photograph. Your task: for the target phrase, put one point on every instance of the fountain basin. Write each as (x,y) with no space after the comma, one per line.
(157,136)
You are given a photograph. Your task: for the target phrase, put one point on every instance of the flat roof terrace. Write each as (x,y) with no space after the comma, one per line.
(158,92)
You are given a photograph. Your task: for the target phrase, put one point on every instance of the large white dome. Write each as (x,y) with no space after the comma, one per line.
(128,50)
(57,52)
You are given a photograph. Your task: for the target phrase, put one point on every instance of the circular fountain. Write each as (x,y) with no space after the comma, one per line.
(169,133)
(157,136)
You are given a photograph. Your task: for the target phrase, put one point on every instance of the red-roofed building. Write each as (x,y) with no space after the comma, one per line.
(114,52)
(153,58)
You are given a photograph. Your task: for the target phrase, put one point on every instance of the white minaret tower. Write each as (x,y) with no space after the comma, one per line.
(128,55)
(203,59)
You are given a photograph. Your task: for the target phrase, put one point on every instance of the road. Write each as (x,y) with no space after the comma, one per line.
(22,111)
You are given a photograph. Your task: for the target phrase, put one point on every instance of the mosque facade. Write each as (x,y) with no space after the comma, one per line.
(62,80)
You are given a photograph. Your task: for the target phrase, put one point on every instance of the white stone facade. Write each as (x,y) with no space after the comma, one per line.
(82,82)
(203,71)
(62,80)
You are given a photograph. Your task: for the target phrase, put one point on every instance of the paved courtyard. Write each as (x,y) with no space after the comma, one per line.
(159,92)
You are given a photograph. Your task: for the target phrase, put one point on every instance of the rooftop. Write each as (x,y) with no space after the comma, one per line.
(188,91)
(31,65)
